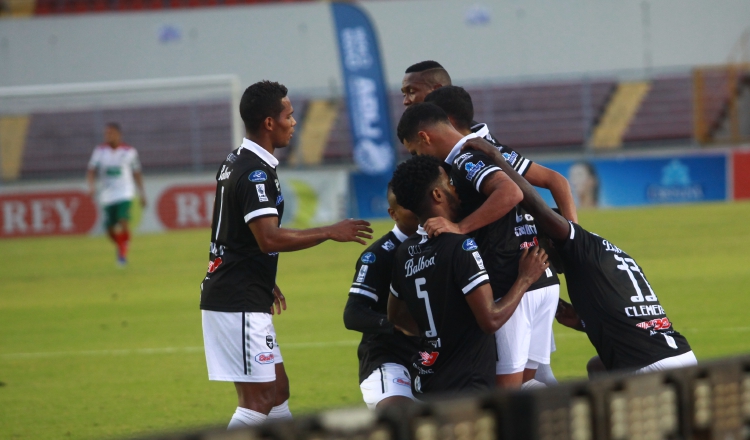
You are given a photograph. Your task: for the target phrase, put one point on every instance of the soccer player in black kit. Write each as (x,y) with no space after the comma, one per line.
(385,351)
(489,212)
(613,300)
(440,289)
(238,290)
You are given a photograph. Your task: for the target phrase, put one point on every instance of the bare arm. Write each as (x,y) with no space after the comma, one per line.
(91,181)
(272,238)
(399,315)
(491,315)
(543,177)
(138,177)
(567,316)
(553,224)
(502,195)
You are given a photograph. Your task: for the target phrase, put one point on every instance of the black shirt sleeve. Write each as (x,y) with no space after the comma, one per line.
(518,162)
(474,166)
(257,194)
(468,267)
(359,316)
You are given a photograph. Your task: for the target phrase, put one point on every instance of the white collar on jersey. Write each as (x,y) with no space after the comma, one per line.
(423,233)
(399,235)
(481,132)
(260,152)
(457,148)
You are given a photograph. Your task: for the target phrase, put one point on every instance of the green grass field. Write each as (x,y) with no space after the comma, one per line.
(88,350)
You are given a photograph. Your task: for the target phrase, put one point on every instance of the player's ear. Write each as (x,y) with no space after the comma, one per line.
(424,137)
(269,123)
(392,213)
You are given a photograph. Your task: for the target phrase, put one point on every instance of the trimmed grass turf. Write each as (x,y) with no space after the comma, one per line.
(75,331)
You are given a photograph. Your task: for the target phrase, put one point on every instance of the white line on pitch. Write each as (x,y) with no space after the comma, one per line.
(163,350)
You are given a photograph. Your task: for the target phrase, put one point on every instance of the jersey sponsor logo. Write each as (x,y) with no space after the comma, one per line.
(428,359)
(362,274)
(469,245)
(655,324)
(525,230)
(279,199)
(225,172)
(388,246)
(213,265)
(264,358)
(368,258)
(258,176)
(644,310)
(522,217)
(113,171)
(261,189)
(278,185)
(46,213)
(478,259)
(402,381)
(418,384)
(529,244)
(231,157)
(186,206)
(461,159)
(412,268)
(415,250)
(511,157)
(269,341)
(472,169)
(610,247)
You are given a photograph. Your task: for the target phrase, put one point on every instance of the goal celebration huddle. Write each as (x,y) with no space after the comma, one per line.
(459,296)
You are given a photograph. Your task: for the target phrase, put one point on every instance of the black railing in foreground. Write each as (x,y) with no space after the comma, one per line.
(709,401)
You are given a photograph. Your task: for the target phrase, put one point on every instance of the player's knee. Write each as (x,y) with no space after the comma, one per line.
(595,367)
(282,385)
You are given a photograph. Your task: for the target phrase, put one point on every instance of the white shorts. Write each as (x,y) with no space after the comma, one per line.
(684,360)
(240,347)
(527,336)
(387,381)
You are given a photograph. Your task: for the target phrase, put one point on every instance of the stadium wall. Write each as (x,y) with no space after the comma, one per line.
(295,44)
(174,202)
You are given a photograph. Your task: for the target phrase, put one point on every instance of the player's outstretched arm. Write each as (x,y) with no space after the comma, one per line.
(91,181)
(359,316)
(552,223)
(543,177)
(272,238)
(502,195)
(491,315)
(400,316)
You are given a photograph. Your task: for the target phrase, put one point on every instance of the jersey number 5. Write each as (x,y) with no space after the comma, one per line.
(629,266)
(419,282)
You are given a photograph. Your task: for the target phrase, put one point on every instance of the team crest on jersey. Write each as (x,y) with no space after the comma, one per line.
(261,189)
(368,258)
(469,245)
(418,384)
(269,341)
(389,246)
(258,176)
(472,169)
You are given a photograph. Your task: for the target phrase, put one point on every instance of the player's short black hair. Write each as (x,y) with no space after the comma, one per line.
(456,102)
(413,180)
(114,125)
(423,65)
(260,101)
(417,116)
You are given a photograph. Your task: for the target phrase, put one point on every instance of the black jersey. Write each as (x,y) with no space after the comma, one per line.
(240,277)
(372,280)
(502,241)
(432,276)
(618,309)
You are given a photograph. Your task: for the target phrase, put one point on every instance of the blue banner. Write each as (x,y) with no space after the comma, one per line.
(366,91)
(644,180)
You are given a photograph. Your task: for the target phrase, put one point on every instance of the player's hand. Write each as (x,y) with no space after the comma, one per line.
(532,264)
(279,301)
(566,315)
(404,331)
(480,144)
(351,230)
(440,225)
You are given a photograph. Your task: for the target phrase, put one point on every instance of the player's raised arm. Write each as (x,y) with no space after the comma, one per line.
(557,184)
(399,315)
(555,225)
(272,238)
(492,315)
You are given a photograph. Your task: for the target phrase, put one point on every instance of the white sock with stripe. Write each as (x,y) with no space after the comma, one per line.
(280,411)
(532,384)
(244,417)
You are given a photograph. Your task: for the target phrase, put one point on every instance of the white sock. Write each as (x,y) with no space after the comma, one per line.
(244,417)
(532,384)
(544,375)
(280,411)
